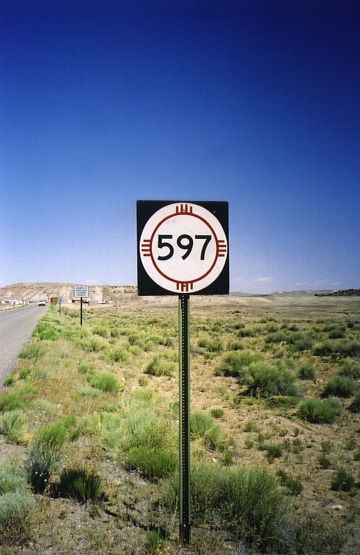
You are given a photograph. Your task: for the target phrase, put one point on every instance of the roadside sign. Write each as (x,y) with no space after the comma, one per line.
(182,247)
(81,291)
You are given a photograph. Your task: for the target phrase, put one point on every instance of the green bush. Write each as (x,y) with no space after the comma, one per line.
(92,345)
(340,386)
(11,401)
(234,345)
(342,481)
(12,478)
(306,371)
(214,345)
(265,380)
(276,337)
(49,334)
(79,484)
(300,341)
(153,464)
(273,451)
(15,517)
(120,354)
(31,351)
(341,347)
(355,404)
(324,461)
(44,456)
(351,369)
(217,412)
(293,485)
(200,424)
(13,425)
(160,367)
(237,364)
(248,501)
(154,542)
(106,382)
(320,411)
(101,331)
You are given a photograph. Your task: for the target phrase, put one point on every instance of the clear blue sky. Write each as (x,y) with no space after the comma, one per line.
(109,101)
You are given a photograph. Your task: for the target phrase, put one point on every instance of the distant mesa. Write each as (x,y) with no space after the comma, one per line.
(20,293)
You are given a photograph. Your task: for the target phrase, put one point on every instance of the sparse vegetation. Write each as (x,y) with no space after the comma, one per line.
(84,399)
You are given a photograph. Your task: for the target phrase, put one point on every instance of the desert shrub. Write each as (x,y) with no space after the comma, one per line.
(160,367)
(49,334)
(92,345)
(341,347)
(234,345)
(154,542)
(88,391)
(342,481)
(215,438)
(340,386)
(326,446)
(293,485)
(273,451)
(265,380)
(276,337)
(106,382)
(11,401)
(306,371)
(217,412)
(248,501)
(336,332)
(153,464)
(101,331)
(79,484)
(12,478)
(236,364)
(200,423)
(355,404)
(251,427)
(31,351)
(351,369)
(15,517)
(44,456)
(320,411)
(246,332)
(300,341)
(144,429)
(324,461)
(119,354)
(213,344)
(13,425)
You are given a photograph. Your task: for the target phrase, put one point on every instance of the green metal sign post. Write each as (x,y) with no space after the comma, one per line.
(184,420)
(81,310)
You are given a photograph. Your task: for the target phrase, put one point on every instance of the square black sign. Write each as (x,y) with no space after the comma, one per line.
(182,247)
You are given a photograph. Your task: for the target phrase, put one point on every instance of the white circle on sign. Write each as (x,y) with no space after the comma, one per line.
(183,247)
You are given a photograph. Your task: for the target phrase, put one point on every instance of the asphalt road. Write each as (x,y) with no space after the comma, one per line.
(16,327)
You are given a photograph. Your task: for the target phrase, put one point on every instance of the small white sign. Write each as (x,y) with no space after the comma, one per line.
(81,291)
(183,247)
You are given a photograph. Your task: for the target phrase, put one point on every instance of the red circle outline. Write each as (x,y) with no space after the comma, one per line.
(216,254)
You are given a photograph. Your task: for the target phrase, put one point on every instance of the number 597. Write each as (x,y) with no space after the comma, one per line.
(184,242)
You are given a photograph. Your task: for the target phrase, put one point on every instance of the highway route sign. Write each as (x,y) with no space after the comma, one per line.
(183,247)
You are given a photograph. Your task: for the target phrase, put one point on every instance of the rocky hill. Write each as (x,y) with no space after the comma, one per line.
(34,292)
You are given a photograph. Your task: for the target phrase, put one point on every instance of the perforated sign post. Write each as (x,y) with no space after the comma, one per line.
(183,250)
